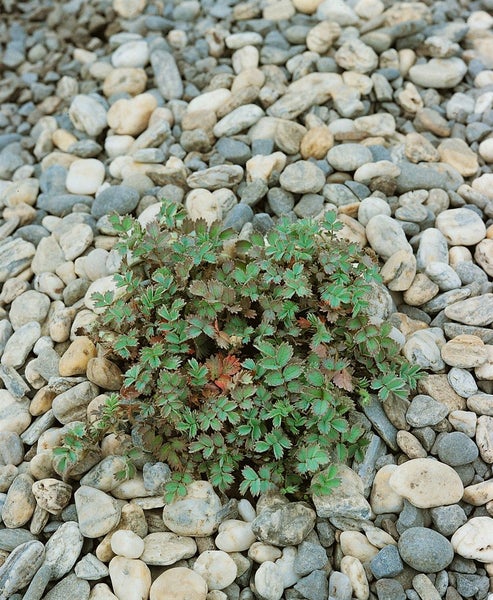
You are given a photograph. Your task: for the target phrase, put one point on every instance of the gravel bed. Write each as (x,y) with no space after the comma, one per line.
(247,112)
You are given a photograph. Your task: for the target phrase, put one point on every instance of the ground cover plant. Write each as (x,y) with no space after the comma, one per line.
(245,361)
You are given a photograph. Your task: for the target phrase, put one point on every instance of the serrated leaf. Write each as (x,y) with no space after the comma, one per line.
(284,354)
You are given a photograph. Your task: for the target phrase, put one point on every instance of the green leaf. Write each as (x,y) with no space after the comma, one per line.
(284,354)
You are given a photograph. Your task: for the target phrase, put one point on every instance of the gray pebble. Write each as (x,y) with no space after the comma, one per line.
(387,563)
(456,449)
(425,410)
(447,519)
(118,199)
(238,216)
(314,586)
(425,550)
(69,587)
(389,589)
(462,382)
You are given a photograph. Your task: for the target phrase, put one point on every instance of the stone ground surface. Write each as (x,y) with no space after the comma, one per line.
(247,111)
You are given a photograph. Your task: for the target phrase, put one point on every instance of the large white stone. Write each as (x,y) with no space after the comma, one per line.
(474,539)
(427,483)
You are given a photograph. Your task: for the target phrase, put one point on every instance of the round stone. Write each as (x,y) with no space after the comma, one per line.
(130,578)
(98,513)
(386,236)
(217,569)
(349,157)
(438,73)
(268,581)
(179,583)
(416,480)
(131,117)
(461,226)
(425,550)
(473,539)
(196,513)
(425,411)
(302,177)
(131,54)
(126,543)
(456,449)
(85,176)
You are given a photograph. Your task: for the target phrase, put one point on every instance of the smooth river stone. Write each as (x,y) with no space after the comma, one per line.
(178,583)
(63,549)
(196,513)
(476,311)
(438,73)
(166,548)
(473,540)
(130,578)
(97,512)
(461,226)
(416,480)
(20,567)
(386,236)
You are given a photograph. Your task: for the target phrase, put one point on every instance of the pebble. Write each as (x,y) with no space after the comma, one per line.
(20,566)
(285,525)
(217,568)
(424,411)
(130,578)
(95,523)
(178,583)
(414,480)
(85,176)
(302,177)
(461,226)
(196,513)
(471,540)
(87,115)
(476,311)
(63,549)
(438,73)
(163,548)
(425,550)
(348,157)
(268,581)
(128,544)
(386,236)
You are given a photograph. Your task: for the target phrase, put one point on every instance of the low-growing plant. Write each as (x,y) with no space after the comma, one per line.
(245,361)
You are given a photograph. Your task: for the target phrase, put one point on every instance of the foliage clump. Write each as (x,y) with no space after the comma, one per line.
(245,361)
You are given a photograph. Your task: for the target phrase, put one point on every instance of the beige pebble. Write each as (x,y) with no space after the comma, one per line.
(383,498)
(416,480)
(179,583)
(104,373)
(74,360)
(464,351)
(420,291)
(354,543)
(410,445)
(353,568)
(131,117)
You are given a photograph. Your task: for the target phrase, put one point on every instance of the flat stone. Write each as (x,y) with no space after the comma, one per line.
(20,567)
(484,438)
(285,525)
(425,411)
(179,583)
(461,226)
(415,481)
(302,177)
(438,73)
(97,512)
(349,157)
(472,540)
(476,311)
(63,549)
(164,548)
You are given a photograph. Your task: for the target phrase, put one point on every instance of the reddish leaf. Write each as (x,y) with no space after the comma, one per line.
(320,350)
(304,323)
(343,379)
